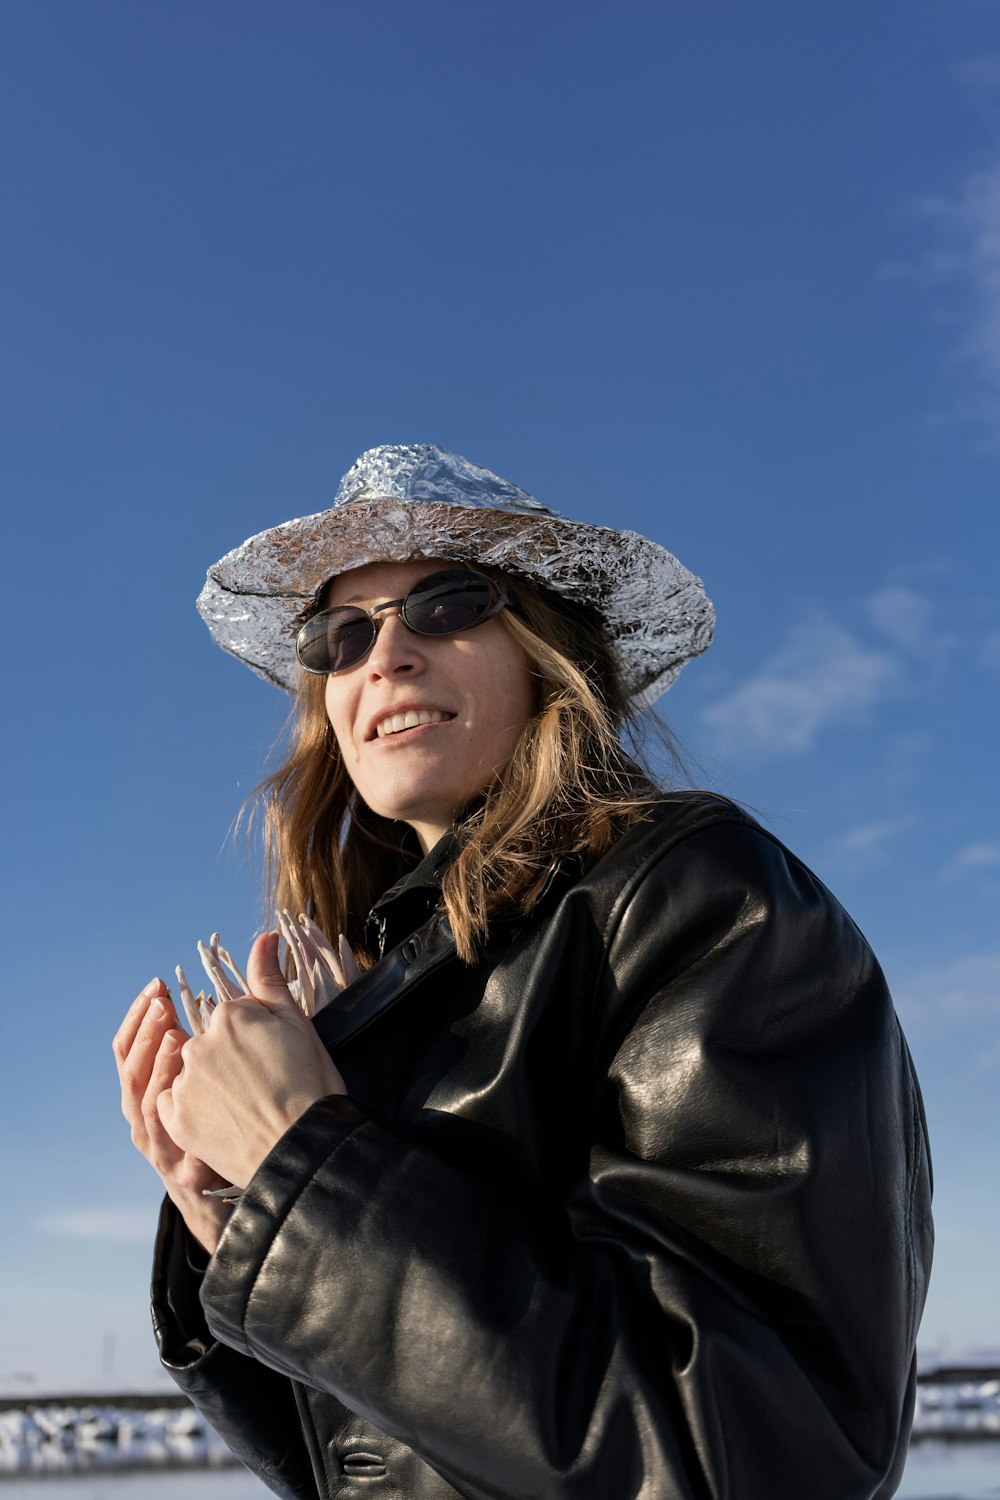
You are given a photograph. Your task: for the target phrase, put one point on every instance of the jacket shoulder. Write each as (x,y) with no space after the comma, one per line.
(671,822)
(700,867)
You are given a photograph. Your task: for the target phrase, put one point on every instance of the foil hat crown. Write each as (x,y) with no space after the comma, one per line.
(423,472)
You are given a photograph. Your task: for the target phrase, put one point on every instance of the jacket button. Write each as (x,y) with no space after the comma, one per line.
(361,1463)
(411,949)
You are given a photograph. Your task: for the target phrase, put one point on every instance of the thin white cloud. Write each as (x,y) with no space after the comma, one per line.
(977,211)
(829,672)
(966,990)
(980,74)
(906,617)
(972,860)
(987,1059)
(869,843)
(968,223)
(821,676)
(906,757)
(123,1225)
(988,655)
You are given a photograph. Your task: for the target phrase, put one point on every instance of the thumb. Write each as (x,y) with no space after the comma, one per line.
(264,976)
(165,1108)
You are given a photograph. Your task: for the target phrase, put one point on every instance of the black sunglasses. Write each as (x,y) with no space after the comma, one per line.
(441,604)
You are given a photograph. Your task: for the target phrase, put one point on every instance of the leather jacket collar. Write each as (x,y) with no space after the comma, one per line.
(411,901)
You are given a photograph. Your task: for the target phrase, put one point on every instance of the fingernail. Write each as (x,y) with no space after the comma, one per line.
(157,1010)
(152,987)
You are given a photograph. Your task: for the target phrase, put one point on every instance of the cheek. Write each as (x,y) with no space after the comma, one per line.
(515,696)
(337,710)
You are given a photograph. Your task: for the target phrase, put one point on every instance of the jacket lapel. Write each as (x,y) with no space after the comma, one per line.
(424,952)
(386,983)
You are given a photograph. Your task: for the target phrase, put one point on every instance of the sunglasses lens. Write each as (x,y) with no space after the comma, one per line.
(335,640)
(441,604)
(448,602)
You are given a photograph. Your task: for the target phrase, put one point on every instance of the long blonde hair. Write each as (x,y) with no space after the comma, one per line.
(569,786)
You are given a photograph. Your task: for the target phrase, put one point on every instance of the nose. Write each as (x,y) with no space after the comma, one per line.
(396,649)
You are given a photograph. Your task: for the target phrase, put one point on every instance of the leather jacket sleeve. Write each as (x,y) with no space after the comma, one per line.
(251,1408)
(725,1303)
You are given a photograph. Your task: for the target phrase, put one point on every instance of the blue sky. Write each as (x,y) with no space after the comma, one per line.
(726,274)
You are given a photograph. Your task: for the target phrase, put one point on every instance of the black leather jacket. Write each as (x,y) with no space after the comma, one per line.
(635,1207)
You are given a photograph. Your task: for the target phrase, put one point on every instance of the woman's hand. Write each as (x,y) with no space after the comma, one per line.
(257,1068)
(148,1052)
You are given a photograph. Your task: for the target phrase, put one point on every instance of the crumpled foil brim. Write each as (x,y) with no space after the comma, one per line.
(655,609)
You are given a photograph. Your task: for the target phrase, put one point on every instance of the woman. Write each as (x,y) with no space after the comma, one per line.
(608,1176)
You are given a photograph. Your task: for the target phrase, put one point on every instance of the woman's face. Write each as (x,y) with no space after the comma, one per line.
(476,685)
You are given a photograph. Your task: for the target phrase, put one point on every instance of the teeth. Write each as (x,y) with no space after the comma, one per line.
(413,716)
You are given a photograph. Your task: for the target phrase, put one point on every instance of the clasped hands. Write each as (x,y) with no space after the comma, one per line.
(207,1110)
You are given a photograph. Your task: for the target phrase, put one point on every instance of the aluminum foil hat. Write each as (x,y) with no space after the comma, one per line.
(417,500)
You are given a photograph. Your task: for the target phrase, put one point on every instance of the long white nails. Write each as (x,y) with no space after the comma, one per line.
(305,986)
(230,965)
(322,971)
(198,1008)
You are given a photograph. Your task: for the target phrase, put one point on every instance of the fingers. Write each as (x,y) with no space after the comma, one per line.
(184,1176)
(156,1018)
(160,1150)
(171,1123)
(267,983)
(126,1033)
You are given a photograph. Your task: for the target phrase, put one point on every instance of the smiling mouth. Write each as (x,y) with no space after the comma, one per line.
(412,719)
